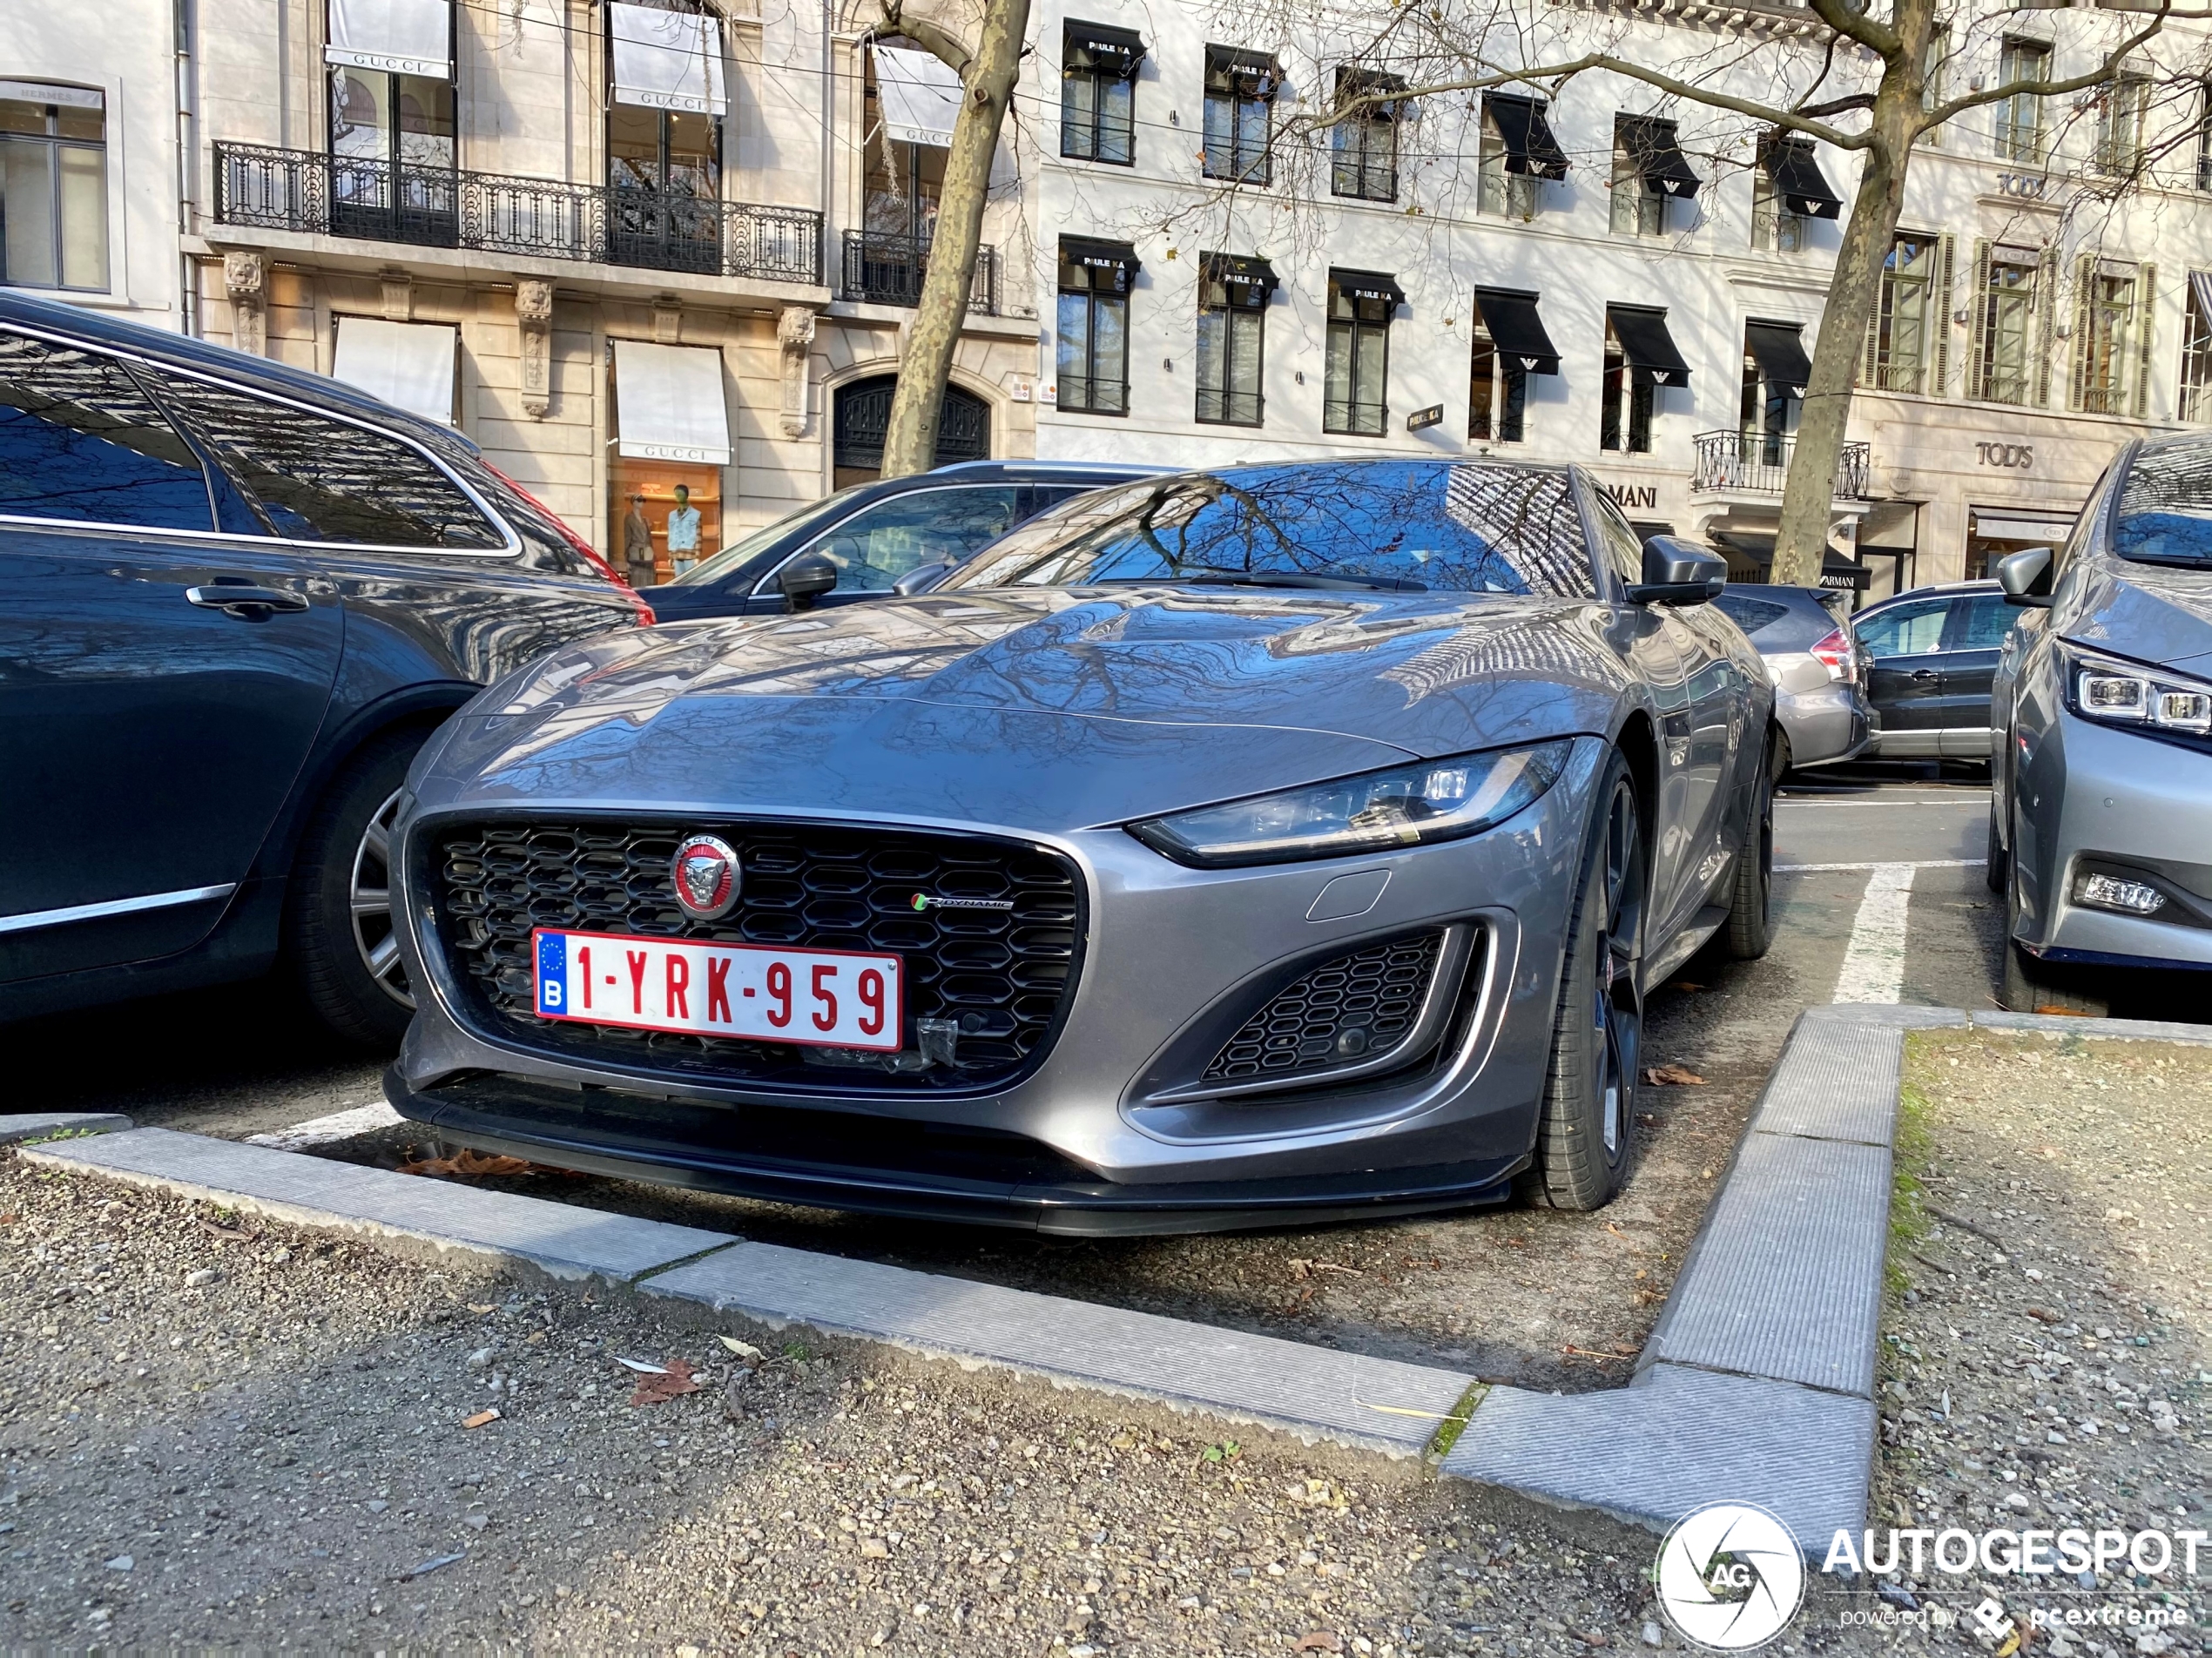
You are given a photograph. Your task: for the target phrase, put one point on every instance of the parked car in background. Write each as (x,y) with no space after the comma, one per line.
(1820,686)
(1293,841)
(234,600)
(2101,797)
(903,532)
(1929,654)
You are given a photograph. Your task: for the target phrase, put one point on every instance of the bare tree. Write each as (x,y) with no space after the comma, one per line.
(987,76)
(1881,122)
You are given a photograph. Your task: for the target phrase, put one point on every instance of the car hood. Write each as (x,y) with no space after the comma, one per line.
(1039,708)
(2150,612)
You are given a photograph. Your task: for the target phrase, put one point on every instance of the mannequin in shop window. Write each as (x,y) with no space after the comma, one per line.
(637,544)
(682,530)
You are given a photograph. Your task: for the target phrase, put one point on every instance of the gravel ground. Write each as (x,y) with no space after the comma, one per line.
(2045,1360)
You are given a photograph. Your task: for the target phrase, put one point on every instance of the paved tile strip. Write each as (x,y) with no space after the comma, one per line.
(34,1125)
(1313,1392)
(1678,1440)
(566,1242)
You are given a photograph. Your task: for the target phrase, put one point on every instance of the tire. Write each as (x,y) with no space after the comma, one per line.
(343,954)
(1750,928)
(2035,987)
(1588,1121)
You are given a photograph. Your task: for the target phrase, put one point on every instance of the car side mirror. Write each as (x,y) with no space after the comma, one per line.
(804,580)
(2026,577)
(922,577)
(1679,572)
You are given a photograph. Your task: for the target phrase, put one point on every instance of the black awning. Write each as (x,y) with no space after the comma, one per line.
(1099,256)
(1238,269)
(1651,145)
(1790,162)
(1837,572)
(1646,345)
(1517,331)
(1779,350)
(1368,83)
(1111,47)
(1367,284)
(1253,74)
(1530,147)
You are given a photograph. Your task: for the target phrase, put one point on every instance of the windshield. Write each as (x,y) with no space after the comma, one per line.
(730,558)
(2165,512)
(1408,526)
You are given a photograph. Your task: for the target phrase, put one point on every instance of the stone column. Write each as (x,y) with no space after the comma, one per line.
(245,279)
(534,316)
(795,333)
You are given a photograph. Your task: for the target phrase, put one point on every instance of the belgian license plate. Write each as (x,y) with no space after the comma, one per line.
(826,998)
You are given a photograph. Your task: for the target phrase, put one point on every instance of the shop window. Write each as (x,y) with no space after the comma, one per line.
(1232,330)
(2019,115)
(53,186)
(670,489)
(1365,164)
(1497,393)
(1093,331)
(1356,370)
(1240,110)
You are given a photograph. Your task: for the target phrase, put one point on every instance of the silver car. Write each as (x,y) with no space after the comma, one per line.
(1819,677)
(2101,799)
(1284,842)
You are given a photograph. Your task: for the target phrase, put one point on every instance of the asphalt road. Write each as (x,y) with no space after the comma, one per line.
(1878,899)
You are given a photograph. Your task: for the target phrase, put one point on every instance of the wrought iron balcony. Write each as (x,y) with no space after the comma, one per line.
(1753,463)
(887,270)
(424,206)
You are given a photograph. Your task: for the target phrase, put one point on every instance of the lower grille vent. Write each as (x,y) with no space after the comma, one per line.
(1352,1008)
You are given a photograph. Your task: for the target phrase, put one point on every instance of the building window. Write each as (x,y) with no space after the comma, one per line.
(53,187)
(1240,109)
(1357,374)
(1497,393)
(1098,93)
(2196,352)
(1232,330)
(2104,337)
(1933,61)
(1768,412)
(1365,165)
(1094,326)
(1499,192)
(1624,417)
(1775,229)
(2118,148)
(2019,117)
(1901,334)
(2007,302)
(1649,167)
(1639,207)
(2204,139)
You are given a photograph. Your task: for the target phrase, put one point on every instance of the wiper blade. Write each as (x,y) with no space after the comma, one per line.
(1267,578)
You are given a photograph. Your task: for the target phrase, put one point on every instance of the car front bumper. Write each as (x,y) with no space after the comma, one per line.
(1116,1130)
(2091,797)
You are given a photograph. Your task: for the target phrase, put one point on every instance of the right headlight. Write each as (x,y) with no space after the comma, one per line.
(1378,811)
(2115,691)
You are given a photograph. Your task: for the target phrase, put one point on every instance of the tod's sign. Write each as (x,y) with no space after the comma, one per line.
(2019,457)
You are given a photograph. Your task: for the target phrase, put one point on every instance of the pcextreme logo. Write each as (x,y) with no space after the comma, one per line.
(1730,1577)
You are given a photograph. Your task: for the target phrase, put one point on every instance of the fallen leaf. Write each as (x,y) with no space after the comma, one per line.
(670,1384)
(2047,1315)
(482,1419)
(229,1234)
(1320,1640)
(1615,1230)
(1672,1076)
(469,1165)
(1301,1269)
(481,1307)
(642,1367)
(743,1350)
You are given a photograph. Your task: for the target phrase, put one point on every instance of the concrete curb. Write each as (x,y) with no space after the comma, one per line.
(31,1125)
(1757,1386)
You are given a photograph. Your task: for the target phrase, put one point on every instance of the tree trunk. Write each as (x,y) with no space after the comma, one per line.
(1801,544)
(910,441)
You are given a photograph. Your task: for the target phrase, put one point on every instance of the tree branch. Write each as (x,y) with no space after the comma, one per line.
(940,42)
(1854,24)
(2099,76)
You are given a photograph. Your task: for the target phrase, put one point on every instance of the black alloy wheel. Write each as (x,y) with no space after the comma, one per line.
(339,933)
(1588,1118)
(1751,909)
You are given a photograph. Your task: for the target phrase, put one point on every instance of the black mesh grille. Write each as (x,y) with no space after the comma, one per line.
(1002,977)
(1342,1012)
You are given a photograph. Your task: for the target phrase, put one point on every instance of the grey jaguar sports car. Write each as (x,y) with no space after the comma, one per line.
(1280,843)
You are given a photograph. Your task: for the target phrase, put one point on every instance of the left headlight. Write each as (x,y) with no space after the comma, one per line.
(1377,812)
(2120,692)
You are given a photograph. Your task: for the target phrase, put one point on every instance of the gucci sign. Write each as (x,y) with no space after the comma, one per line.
(2019,456)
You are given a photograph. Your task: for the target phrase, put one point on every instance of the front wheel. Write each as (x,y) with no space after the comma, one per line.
(345,950)
(1751,925)
(2033,986)
(1588,1117)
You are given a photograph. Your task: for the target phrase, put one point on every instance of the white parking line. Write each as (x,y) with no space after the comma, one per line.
(1923,863)
(1874,961)
(339,1125)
